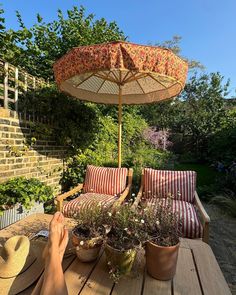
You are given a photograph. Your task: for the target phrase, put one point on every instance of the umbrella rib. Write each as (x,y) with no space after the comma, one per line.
(133,77)
(106,78)
(130,77)
(77,85)
(114,75)
(103,81)
(157,80)
(126,76)
(166,88)
(140,86)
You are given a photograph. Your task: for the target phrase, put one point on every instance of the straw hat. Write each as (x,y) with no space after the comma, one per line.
(21,264)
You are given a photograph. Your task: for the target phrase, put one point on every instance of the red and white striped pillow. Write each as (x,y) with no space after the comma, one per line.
(161,183)
(105,180)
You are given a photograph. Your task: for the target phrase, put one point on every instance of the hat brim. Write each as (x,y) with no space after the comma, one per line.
(12,286)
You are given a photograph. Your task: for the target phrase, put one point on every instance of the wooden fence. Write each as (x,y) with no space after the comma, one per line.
(15,82)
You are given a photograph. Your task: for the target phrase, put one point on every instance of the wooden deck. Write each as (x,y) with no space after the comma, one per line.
(197,270)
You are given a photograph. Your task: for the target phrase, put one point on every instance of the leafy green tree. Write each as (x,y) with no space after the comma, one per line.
(204,109)
(174,45)
(75,122)
(198,113)
(222,144)
(38,47)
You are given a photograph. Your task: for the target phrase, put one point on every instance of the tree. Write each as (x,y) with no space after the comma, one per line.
(174,45)
(204,109)
(38,47)
(198,113)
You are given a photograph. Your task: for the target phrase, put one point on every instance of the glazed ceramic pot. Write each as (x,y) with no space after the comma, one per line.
(123,260)
(161,261)
(86,250)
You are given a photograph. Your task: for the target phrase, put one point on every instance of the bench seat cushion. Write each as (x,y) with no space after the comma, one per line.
(84,201)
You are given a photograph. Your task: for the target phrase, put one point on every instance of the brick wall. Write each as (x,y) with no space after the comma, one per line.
(22,156)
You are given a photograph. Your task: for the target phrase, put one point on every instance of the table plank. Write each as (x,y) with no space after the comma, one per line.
(132,284)
(77,274)
(154,287)
(211,277)
(186,282)
(99,281)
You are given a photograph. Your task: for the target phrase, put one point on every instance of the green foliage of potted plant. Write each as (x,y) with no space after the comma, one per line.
(162,230)
(123,240)
(19,196)
(88,234)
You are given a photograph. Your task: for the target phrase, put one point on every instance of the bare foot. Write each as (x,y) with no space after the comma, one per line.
(58,237)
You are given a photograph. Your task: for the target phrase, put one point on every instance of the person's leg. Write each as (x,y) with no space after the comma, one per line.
(52,281)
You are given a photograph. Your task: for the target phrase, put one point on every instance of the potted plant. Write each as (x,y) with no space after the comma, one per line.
(161,227)
(122,240)
(88,234)
(20,197)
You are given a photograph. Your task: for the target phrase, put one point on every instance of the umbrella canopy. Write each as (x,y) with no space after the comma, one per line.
(121,73)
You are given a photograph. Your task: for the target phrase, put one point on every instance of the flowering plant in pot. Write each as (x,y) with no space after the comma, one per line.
(123,240)
(88,234)
(162,230)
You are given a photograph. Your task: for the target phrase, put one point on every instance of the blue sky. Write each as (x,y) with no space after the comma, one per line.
(208,27)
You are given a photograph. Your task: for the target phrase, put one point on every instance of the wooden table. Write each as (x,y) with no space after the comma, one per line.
(198,272)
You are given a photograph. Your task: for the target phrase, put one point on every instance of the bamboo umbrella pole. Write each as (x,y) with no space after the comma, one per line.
(119,126)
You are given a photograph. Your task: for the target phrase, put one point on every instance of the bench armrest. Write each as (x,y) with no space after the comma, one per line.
(127,190)
(60,198)
(140,192)
(123,196)
(138,198)
(205,218)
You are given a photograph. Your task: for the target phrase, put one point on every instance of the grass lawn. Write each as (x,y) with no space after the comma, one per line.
(205,175)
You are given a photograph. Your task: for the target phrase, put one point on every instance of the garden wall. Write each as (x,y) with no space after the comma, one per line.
(27,148)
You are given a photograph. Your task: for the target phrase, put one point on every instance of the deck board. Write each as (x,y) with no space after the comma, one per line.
(155,287)
(186,282)
(99,281)
(133,283)
(210,274)
(77,274)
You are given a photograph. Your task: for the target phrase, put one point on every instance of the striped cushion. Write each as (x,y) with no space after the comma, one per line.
(104,180)
(85,201)
(161,183)
(191,225)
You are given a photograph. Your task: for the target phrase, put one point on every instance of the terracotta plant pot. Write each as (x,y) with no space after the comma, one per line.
(89,250)
(161,261)
(123,260)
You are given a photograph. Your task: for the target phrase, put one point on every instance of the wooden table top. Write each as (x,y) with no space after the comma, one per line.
(198,272)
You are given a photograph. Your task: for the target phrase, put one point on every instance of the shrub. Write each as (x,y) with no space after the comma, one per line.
(136,151)
(23,191)
(226,201)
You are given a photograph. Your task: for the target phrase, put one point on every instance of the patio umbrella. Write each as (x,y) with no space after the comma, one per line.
(120,73)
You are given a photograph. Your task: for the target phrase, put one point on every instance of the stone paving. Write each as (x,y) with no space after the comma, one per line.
(223,243)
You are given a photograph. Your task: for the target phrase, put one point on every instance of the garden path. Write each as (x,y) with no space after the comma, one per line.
(223,243)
